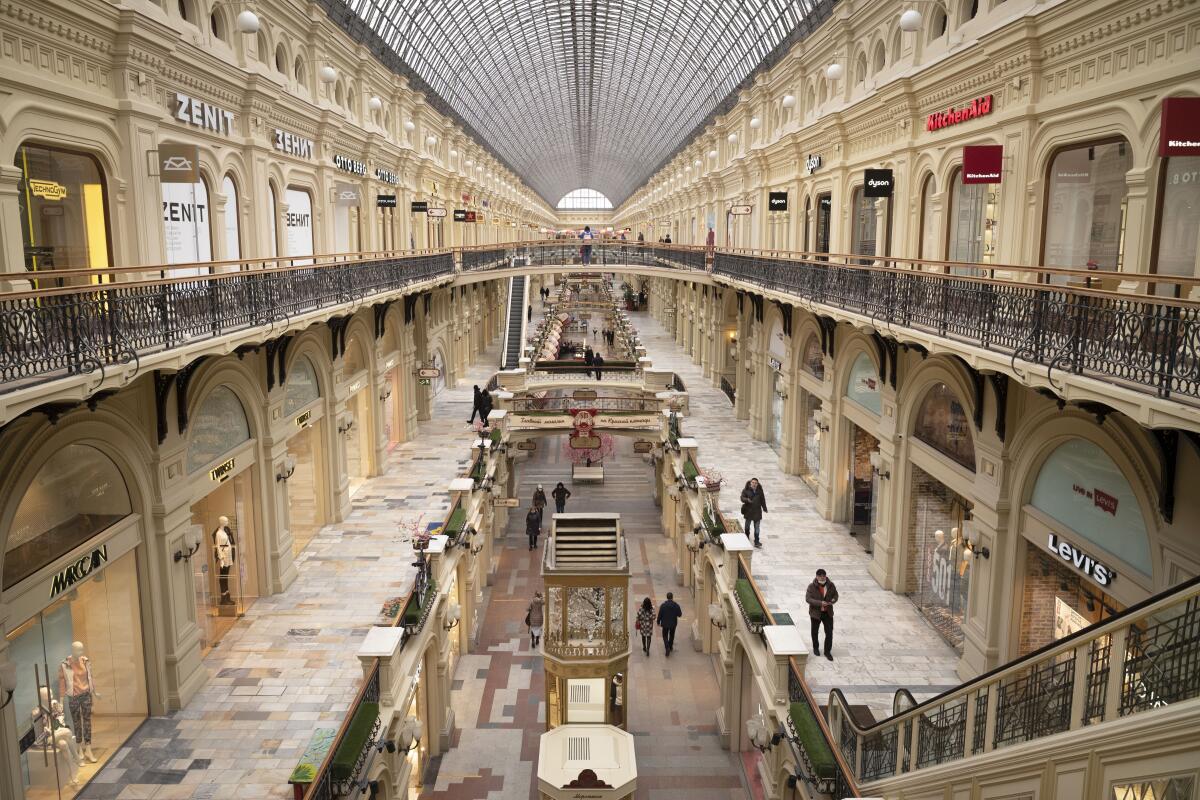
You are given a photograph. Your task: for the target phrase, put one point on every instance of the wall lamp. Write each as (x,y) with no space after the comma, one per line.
(385,394)
(287,468)
(876,462)
(823,427)
(693,541)
(716,616)
(180,555)
(385,744)
(410,734)
(453,616)
(8,682)
(346,427)
(370,788)
(760,735)
(977,549)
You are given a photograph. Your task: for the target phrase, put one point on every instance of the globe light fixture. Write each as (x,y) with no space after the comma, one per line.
(431,140)
(696,163)
(755,123)
(732,138)
(789,101)
(375,103)
(911,20)
(712,153)
(409,125)
(834,71)
(327,74)
(247,22)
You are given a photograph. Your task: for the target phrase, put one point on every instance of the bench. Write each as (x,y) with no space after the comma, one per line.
(587,474)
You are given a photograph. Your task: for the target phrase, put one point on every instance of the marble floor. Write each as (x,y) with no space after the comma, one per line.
(289,665)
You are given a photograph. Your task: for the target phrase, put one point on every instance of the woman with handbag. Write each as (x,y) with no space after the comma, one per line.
(535,618)
(645,624)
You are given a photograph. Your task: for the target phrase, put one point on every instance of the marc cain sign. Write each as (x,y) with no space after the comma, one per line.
(76,572)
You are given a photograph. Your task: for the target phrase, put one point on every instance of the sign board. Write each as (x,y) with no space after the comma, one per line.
(1179,133)
(76,572)
(1102,574)
(179,163)
(347,164)
(303,419)
(978,107)
(203,115)
(982,163)
(740,211)
(418,207)
(583,394)
(293,144)
(777,201)
(528,445)
(460,215)
(221,472)
(642,446)
(385,201)
(429,372)
(506,502)
(584,442)
(470,217)
(387,176)
(345,194)
(812,164)
(423,382)
(436,213)
(878,183)
(600,419)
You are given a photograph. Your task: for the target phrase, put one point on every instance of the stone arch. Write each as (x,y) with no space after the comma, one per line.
(924,377)
(240,378)
(852,346)
(1106,121)
(359,335)
(315,347)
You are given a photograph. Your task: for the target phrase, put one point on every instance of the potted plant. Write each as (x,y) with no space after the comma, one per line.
(712,479)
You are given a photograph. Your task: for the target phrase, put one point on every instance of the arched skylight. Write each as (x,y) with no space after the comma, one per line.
(584,198)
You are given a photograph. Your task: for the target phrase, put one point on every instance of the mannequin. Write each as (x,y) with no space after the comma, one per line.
(76,686)
(50,728)
(224,547)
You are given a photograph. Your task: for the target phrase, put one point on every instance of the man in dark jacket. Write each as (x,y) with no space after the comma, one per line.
(475,403)
(821,596)
(597,364)
(485,406)
(754,505)
(533,526)
(669,614)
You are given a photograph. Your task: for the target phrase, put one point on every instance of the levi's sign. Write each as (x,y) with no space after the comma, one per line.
(952,116)
(74,573)
(1100,573)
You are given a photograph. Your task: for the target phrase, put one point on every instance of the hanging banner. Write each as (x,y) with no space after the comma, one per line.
(878,183)
(186,236)
(385,201)
(1179,133)
(777,201)
(345,194)
(179,163)
(460,215)
(299,224)
(982,163)
(418,207)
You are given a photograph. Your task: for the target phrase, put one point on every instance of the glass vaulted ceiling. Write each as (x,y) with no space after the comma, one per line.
(584,92)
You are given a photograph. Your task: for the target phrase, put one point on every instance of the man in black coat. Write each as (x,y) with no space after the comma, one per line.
(485,406)
(475,404)
(821,596)
(669,614)
(597,363)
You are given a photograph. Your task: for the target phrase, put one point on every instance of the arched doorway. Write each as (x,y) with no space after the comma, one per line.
(308,505)
(861,408)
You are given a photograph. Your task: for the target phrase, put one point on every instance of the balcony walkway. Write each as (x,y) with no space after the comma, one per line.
(289,665)
(499,690)
(881,642)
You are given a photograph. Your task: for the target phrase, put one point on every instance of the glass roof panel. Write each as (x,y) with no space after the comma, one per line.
(584,198)
(586,93)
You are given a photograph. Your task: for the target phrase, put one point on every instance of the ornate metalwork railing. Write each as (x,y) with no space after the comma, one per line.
(524,404)
(570,252)
(1146,657)
(324,786)
(1145,342)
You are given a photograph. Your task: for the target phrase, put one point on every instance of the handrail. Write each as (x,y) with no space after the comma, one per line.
(1096,658)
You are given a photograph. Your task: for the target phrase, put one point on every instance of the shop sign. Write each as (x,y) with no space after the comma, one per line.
(203,115)
(600,419)
(345,194)
(982,163)
(424,382)
(47,190)
(1100,573)
(775,364)
(777,201)
(418,207)
(221,471)
(528,445)
(356,387)
(1179,133)
(429,372)
(812,164)
(387,176)
(740,211)
(479,217)
(643,446)
(506,502)
(385,201)
(293,144)
(178,163)
(348,164)
(460,215)
(470,217)
(978,107)
(303,419)
(878,183)
(436,213)
(74,573)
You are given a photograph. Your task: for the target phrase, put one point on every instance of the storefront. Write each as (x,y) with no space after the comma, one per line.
(821,225)
(387,219)
(74,628)
(187,225)
(298,223)
(871,214)
(973,230)
(1086,205)
(812,373)
(776,355)
(391,394)
(357,421)
(227,567)
(862,416)
(64,209)
(1176,241)
(307,486)
(1087,551)
(347,229)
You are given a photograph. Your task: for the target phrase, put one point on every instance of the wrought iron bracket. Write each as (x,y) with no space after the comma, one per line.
(182,379)
(1058,401)
(828,326)
(381,310)
(1000,390)
(410,308)
(162,390)
(920,348)
(1168,451)
(241,350)
(1099,410)
(757,301)
(887,350)
(785,310)
(427,299)
(337,336)
(98,397)
(277,356)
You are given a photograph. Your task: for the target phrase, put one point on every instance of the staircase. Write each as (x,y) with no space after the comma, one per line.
(514,331)
(1123,691)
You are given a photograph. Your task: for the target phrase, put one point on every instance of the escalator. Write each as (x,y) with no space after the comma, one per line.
(514,328)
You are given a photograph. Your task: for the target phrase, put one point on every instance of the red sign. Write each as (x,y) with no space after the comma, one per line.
(470,216)
(952,116)
(982,163)
(1179,134)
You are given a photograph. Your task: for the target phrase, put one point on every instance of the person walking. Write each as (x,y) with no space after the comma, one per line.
(820,596)
(616,699)
(560,494)
(597,364)
(754,505)
(669,614)
(533,526)
(529,313)
(641,236)
(588,355)
(535,618)
(645,624)
(485,406)
(476,399)
(539,499)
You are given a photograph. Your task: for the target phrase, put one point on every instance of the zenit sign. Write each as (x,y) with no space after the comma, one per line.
(1102,574)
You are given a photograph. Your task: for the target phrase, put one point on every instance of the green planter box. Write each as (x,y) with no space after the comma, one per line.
(357,735)
(814,744)
(754,610)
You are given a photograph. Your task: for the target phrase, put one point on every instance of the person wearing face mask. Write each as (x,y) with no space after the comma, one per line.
(821,596)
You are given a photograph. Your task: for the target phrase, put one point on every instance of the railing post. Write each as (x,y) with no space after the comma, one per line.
(1079,687)
(1115,684)
(969,723)
(914,742)
(989,725)
(901,746)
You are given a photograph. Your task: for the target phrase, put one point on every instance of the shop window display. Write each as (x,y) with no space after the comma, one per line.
(1086,208)
(1057,602)
(812,440)
(64,209)
(942,424)
(219,426)
(863,385)
(973,225)
(77,494)
(939,563)
(814,360)
(864,486)
(864,224)
(1178,221)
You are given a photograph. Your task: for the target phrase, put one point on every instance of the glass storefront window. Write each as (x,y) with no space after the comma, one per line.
(1178,221)
(939,564)
(928,241)
(863,385)
(187,221)
(64,209)
(942,424)
(812,440)
(81,681)
(1086,207)
(1055,602)
(813,360)
(217,427)
(302,387)
(864,486)
(299,224)
(274,221)
(863,223)
(973,226)
(77,493)
(233,238)
(824,215)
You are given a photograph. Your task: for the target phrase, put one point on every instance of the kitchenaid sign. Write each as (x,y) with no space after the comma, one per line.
(982,163)
(1180,130)
(978,107)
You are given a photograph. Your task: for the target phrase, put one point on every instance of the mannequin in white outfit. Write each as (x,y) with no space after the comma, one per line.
(50,727)
(224,547)
(76,687)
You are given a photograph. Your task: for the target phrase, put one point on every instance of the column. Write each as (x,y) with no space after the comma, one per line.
(12,252)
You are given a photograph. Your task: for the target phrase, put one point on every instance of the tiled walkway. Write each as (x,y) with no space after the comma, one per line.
(499,697)
(881,642)
(289,665)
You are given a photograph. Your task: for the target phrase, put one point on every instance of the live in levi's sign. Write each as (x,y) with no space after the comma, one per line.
(952,116)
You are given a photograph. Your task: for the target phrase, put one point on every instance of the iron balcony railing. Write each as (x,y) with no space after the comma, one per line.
(569,252)
(1143,658)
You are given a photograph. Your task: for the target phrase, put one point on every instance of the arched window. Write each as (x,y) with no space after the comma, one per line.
(1081,487)
(880,58)
(927,244)
(217,427)
(942,424)
(863,384)
(233,236)
(264,49)
(301,388)
(339,94)
(77,493)
(937,23)
(813,360)
(298,70)
(584,199)
(187,223)
(970,10)
(897,45)
(860,70)
(217,25)
(185,11)
(281,59)
(274,221)
(355,360)
(64,221)
(1086,197)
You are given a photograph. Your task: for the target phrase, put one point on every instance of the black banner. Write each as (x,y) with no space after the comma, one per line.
(385,201)
(460,215)
(878,183)
(418,207)
(777,201)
